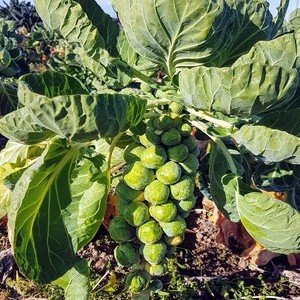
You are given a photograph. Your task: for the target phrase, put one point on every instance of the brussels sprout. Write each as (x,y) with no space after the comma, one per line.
(190,165)
(157,192)
(137,176)
(190,142)
(195,151)
(133,152)
(178,153)
(150,138)
(176,107)
(187,205)
(174,240)
(163,123)
(149,233)
(137,281)
(120,231)
(169,173)
(123,191)
(183,189)
(171,137)
(154,253)
(185,129)
(185,214)
(157,270)
(163,213)
(136,214)
(156,286)
(175,227)
(121,205)
(145,87)
(154,157)
(127,255)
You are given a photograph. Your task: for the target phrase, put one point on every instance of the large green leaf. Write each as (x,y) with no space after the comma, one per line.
(8,98)
(76,282)
(42,244)
(271,222)
(174,34)
(241,90)
(23,127)
(276,137)
(283,51)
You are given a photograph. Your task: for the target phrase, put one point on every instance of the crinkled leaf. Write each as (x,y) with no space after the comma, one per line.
(283,51)
(8,98)
(22,126)
(271,222)
(76,282)
(174,34)
(242,90)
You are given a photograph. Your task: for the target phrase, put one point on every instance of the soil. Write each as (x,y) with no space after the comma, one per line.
(201,269)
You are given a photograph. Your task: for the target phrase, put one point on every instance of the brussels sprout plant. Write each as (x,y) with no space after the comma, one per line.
(168,73)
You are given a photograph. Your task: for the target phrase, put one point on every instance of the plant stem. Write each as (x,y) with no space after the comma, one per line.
(209,118)
(110,152)
(203,127)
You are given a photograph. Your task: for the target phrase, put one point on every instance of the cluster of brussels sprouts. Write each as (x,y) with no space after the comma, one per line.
(156,194)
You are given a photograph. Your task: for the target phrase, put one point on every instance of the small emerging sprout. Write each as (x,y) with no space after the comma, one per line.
(154,157)
(127,254)
(171,137)
(174,240)
(175,227)
(185,129)
(183,189)
(176,107)
(178,153)
(137,176)
(149,233)
(136,214)
(163,213)
(157,192)
(157,270)
(169,173)
(154,254)
(137,281)
(190,165)
(120,231)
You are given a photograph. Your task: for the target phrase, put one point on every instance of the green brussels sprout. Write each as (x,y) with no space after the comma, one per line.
(154,157)
(156,286)
(137,281)
(178,153)
(123,191)
(176,107)
(190,142)
(185,129)
(171,137)
(136,214)
(127,254)
(121,205)
(163,213)
(150,138)
(133,152)
(157,192)
(185,214)
(187,205)
(195,151)
(183,189)
(163,123)
(154,253)
(169,173)
(120,231)
(190,165)
(145,87)
(174,240)
(157,270)
(137,176)
(175,227)
(149,233)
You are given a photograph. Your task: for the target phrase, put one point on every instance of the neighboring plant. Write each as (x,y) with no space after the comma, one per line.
(233,83)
